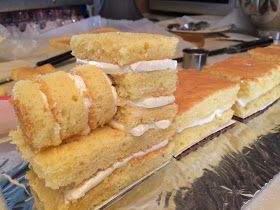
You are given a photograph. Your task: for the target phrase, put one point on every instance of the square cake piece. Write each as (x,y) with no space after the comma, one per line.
(204,103)
(259,82)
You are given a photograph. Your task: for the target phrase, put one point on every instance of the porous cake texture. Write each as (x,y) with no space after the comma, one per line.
(136,86)
(49,199)
(59,105)
(256,77)
(102,93)
(114,117)
(204,103)
(81,157)
(123,48)
(270,53)
(87,170)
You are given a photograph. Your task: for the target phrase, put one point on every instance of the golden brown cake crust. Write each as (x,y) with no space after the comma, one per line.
(242,68)
(194,86)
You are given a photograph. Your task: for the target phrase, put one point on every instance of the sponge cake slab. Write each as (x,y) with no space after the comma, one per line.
(140,85)
(35,116)
(256,77)
(116,183)
(123,48)
(66,102)
(81,157)
(204,103)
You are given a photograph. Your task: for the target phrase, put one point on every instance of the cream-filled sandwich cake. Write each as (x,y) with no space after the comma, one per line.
(144,74)
(96,135)
(86,171)
(205,107)
(259,82)
(59,105)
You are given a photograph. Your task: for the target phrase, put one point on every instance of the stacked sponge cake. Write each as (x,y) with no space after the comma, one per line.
(259,82)
(144,74)
(205,103)
(77,161)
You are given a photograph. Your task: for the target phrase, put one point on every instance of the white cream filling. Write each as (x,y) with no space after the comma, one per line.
(140,129)
(82,189)
(141,66)
(152,102)
(80,84)
(216,114)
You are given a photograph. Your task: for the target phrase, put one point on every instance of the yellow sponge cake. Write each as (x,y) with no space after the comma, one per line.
(101,92)
(87,170)
(204,103)
(64,105)
(67,103)
(122,48)
(34,114)
(259,82)
(74,198)
(270,53)
(136,86)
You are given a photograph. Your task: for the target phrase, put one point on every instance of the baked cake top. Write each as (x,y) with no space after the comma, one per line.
(194,86)
(270,50)
(122,48)
(242,68)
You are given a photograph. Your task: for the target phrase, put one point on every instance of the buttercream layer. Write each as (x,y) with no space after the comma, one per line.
(216,114)
(141,66)
(140,129)
(149,103)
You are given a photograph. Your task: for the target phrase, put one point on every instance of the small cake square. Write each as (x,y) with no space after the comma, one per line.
(204,103)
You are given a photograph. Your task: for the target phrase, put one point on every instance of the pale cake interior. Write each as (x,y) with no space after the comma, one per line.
(193,135)
(36,119)
(258,104)
(100,90)
(130,116)
(136,86)
(66,103)
(123,48)
(116,182)
(66,165)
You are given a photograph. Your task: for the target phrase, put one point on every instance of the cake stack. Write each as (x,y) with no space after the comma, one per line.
(77,161)
(144,74)
(259,82)
(205,107)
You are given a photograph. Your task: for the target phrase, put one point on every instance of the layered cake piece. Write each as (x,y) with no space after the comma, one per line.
(59,105)
(86,171)
(205,107)
(259,82)
(106,130)
(270,53)
(144,74)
